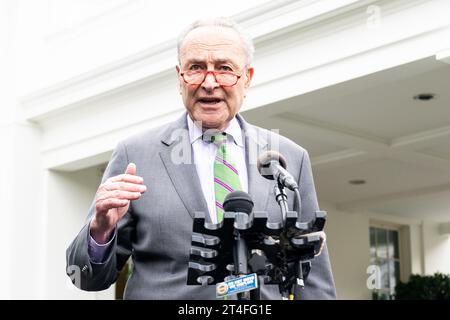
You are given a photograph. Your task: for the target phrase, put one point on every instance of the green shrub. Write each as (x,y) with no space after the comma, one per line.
(435,287)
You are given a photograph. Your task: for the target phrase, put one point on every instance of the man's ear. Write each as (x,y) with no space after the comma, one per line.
(248,78)
(250,72)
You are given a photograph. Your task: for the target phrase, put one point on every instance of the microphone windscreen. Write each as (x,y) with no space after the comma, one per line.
(238,201)
(264,162)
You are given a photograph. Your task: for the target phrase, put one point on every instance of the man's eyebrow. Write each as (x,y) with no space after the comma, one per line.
(219,61)
(226,61)
(189,61)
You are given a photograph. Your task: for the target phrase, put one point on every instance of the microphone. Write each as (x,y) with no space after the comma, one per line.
(238,201)
(241,204)
(272,165)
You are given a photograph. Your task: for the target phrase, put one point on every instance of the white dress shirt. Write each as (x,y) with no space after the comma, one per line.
(205,153)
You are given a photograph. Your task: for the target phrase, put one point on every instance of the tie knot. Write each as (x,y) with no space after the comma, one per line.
(217,138)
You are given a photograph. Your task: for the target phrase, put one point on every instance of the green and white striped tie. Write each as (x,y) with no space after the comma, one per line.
(226,176)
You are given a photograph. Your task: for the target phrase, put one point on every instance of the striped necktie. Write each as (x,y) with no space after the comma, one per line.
(226,176)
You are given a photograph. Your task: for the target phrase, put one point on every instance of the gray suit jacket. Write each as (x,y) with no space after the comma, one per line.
(157,229)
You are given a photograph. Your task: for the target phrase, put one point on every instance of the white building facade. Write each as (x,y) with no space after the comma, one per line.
(337,77)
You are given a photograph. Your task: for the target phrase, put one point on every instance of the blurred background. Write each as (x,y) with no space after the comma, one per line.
(364,86)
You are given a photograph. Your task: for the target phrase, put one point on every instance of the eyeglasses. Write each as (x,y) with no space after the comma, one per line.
(223,78)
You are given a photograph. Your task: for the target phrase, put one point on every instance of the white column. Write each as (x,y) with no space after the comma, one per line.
(6,119)
(20,182)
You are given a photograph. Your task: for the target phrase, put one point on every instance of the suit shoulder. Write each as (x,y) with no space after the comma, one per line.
(273,137)
(292,152)
(145,138)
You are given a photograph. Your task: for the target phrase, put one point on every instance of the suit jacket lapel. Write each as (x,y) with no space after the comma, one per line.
(176,155)
(255,144)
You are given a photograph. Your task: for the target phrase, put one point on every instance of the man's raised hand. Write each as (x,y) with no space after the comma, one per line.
(112,201)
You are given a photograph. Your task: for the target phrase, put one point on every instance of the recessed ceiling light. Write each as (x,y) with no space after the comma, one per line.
(357,181)
(425,96)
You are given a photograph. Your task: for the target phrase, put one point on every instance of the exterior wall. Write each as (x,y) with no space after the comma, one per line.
(423,250)
(348,245)
(69,196)
(417,256)
(437,248)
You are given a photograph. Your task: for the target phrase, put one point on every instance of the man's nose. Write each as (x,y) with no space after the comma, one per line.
(210,82)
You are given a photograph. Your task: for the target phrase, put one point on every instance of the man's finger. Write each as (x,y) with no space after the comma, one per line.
(323,239)
(111,203)
(320,250)
(132,187)
(118,194)
(127,178)
(131,169)
(321,234)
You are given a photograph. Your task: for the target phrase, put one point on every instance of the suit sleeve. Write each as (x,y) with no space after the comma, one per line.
(320,283)
(96,277)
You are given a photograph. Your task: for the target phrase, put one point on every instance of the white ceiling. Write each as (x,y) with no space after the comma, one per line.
(371,128)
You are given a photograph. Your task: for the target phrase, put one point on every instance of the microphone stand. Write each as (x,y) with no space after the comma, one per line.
(279,253)
(281,198)
(240,255)
(243,223)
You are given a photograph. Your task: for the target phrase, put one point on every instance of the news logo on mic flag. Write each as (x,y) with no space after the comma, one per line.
(233,286)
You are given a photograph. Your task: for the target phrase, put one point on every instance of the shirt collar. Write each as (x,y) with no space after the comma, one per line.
(234,130)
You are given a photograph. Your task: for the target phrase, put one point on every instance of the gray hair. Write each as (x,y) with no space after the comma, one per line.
(220,22)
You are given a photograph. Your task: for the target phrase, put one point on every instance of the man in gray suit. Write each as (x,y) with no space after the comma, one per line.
(157,180)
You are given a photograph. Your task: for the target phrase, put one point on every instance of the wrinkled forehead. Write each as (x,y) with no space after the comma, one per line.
(213,43)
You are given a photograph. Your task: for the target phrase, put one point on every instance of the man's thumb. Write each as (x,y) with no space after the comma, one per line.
(131,169)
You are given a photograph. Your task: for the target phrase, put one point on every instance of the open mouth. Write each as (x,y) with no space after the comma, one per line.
(211,101)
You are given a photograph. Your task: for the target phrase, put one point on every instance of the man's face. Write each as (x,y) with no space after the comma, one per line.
(213,49)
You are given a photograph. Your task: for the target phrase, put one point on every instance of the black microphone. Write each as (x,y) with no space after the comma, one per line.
(272,166)
(238,201)
(241,204)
